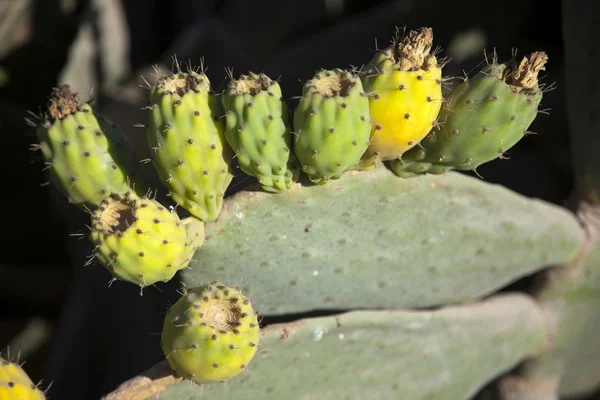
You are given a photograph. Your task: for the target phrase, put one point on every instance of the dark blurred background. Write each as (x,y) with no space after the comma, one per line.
(70,327)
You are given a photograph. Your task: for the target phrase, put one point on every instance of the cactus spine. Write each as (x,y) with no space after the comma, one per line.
(86,156)
(332,125)
(187,140)
(485,117)
(210,334)
(405,96)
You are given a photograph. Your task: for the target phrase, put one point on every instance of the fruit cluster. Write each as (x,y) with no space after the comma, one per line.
(393,111)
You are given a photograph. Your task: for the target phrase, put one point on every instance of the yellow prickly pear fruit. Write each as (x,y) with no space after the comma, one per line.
(15,384)
(405,96)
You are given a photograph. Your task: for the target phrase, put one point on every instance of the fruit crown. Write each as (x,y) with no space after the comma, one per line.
(524,77)
(116,214)
(251,84)
(62,103)
(183,82)
(413,51)
(331,83)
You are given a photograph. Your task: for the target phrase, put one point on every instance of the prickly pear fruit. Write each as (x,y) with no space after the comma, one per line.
(257,129)
(405,96)
(187,140)
(332,125)
(86,156)
(485,116)
(15,384)
(210,334)
(140,241)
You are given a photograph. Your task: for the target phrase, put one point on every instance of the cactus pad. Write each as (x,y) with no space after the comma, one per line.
(332,125)
(86,156)
(15,384)
(388,354)
(405,96)
(187,140)
(257,129)
(210,334)
(140,241)
(485,117)
(372,240)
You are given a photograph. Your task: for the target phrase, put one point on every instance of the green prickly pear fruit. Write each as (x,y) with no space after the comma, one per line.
(86,156)
(485,117)
(332,125)
(140,241)
(15,384)
(210,334)
(404,82)
(187,140)
(257,129)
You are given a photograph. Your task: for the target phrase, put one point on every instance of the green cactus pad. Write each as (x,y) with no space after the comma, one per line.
(571,296)
(210,334)
(373,240)
(188,146)
(332,125)
(485,117)
(140,241)
(388,354)
(257,129)
(15,384)
(86,156)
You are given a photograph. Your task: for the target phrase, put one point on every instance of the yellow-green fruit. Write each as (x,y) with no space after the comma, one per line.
(15,384)
(140,241)
(210,334)
(188,146)
(257,128)
(86,157)
(405,96)
(332,125)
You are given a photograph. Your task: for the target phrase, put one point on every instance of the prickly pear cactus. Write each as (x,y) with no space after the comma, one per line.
(187,140)
(331,125)
(404,83)
(210,334)
(485,117)
(140,241)
(86,156)
(15,384)
(258,130)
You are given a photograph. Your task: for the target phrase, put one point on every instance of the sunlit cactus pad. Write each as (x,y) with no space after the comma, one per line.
(387,354)
(373,240)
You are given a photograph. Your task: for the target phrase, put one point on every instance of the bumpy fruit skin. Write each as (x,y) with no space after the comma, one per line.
(331,124)
(485,117)
(210,334)
(15,384)
(405,96)
(140,241)
(188,146)
(257,129)
(86,156)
